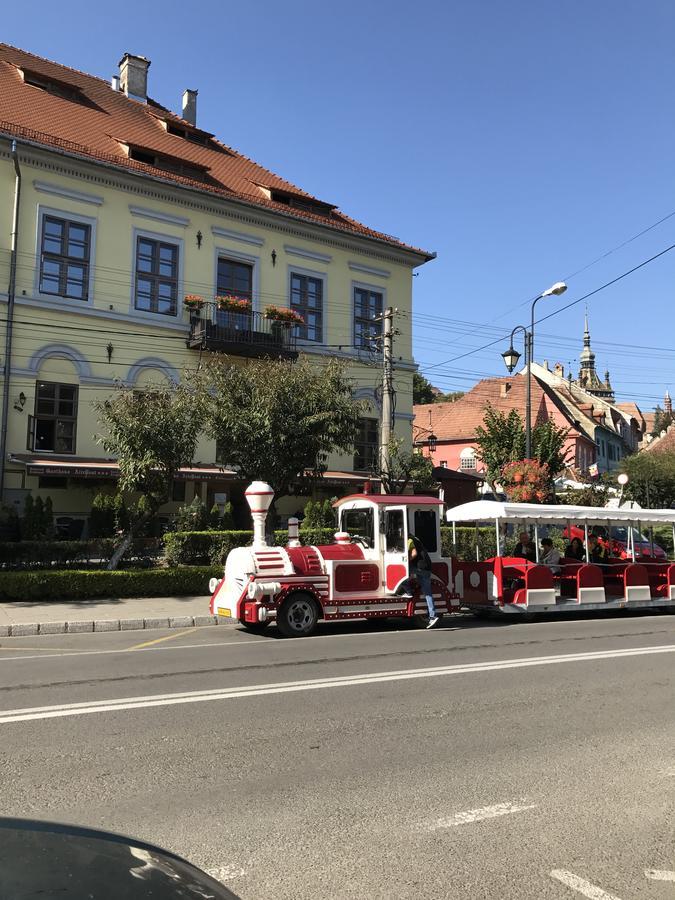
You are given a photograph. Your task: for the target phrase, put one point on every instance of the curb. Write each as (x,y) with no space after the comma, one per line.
(87,626)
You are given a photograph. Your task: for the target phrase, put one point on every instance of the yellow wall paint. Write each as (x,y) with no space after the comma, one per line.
(86,329)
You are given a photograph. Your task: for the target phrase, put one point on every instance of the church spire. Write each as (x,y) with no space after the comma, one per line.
(589,379)
(667,404)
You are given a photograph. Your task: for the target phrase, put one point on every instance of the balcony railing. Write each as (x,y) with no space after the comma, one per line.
(240,333)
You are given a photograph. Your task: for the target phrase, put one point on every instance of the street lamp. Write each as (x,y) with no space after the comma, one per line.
(511,357)
(431,441)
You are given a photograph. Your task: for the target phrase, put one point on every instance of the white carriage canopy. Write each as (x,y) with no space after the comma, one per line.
(496,511)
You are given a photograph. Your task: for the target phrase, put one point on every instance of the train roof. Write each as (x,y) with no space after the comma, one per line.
(493,510)
(392,499)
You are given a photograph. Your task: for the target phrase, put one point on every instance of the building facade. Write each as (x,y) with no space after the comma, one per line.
(115,210)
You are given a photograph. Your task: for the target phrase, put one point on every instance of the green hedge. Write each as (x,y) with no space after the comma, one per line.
(74,584)
(466,542)
(48,554)
(189,548)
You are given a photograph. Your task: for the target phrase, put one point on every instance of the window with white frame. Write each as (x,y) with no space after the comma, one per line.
(156,284)
(467,458)
(307,300)
(65,250)
(367,305)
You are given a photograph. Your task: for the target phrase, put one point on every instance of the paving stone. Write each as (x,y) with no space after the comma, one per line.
(24,629)
(107,625)
(181,622)
(5,630)
(79,627)
(157,623)
(131,624)
(52,627)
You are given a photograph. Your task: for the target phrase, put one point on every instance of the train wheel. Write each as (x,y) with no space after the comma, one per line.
(298,615)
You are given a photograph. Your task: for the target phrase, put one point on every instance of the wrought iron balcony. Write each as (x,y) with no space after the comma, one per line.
(240,333)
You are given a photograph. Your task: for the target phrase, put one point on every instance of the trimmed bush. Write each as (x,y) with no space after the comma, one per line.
(189,548)
(74,584)
(46,554)
(466,542)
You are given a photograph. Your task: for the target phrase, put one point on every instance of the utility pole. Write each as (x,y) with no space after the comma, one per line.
(387,319)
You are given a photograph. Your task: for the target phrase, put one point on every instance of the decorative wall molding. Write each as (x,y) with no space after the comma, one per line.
(156,188)
(217,231)
(307,254)
(58,190)
(152,362)
(142,213)
(369,270)
(60,351)
(49,305)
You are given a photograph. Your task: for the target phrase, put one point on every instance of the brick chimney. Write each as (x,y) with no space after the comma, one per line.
(505,387)
(559,370)
(134,76)
(190,106)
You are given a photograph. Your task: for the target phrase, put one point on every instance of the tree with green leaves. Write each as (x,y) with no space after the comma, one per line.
(278,421)
(501,440)
(152,434)
(662,420)
(405,469)
(423,390)
(651,478)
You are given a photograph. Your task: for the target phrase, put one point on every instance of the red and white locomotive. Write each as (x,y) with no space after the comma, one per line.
(356,577)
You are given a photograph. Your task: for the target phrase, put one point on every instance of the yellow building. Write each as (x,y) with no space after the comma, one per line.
(113,210)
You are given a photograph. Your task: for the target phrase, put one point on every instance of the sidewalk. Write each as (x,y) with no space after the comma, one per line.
(77,616)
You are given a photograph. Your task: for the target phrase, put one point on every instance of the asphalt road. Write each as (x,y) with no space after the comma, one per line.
(528,760)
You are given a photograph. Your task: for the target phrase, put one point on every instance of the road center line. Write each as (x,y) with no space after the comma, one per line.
(123,703)
(659,875)
(479,815)
(581,886)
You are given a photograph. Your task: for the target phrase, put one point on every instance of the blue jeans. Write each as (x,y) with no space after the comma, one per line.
(423,578)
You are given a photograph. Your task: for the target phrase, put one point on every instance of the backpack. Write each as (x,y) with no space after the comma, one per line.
(423,560)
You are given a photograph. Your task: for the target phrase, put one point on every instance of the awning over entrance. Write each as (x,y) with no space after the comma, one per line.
(78,467)
(82,467)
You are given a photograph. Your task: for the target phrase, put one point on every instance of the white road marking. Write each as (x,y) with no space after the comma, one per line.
(581,886)
(668,773)
(659,875)
(480,814)
(56,711)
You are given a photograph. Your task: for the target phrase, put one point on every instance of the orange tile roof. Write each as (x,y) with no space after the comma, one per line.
(664,443)
(460,419)
(97,123)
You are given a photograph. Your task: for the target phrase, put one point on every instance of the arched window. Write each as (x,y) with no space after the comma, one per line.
(467,458)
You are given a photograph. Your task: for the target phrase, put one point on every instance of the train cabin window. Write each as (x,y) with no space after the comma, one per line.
(425,530)
(359,523)
(395,531)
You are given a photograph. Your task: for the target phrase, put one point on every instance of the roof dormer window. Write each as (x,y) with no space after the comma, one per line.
(173,164)
(54,86)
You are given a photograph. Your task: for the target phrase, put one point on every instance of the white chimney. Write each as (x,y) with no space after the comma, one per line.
(294,532)
(190,106)
(259,496)
(134,76)
(115,82)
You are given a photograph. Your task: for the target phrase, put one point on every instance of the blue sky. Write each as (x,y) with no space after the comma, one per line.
(519,140)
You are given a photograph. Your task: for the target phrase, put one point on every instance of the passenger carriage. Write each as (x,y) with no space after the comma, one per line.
(507,584)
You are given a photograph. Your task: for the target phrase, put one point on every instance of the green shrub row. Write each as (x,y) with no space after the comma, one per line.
(85,585)
(190,548)
(47,554)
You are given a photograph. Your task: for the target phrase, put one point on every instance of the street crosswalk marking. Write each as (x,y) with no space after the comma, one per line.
(470,816)
(659,875)
(581,886)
